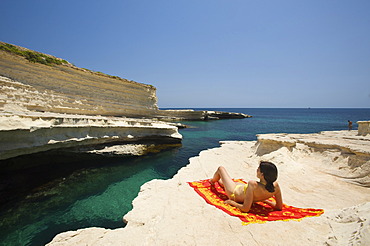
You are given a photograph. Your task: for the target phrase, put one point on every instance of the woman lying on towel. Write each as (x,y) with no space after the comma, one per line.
(242,196)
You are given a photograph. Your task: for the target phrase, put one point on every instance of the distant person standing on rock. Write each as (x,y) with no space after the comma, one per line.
(349,125)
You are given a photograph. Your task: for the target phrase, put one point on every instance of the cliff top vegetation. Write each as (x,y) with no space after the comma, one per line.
(49,60)
(32,56)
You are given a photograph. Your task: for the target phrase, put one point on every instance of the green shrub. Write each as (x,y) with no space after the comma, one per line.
(10,48)
(32,56)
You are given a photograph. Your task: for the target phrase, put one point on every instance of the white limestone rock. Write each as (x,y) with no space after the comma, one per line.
(169,212)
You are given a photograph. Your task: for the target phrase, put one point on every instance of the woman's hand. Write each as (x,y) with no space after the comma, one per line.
(237,205)
(230,202)
(271,204)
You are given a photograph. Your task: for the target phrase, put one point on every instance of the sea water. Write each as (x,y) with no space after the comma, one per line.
(99,195)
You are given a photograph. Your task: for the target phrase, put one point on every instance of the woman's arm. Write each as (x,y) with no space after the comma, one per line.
(270,203)
(278,205)
(278,198)
(237,205)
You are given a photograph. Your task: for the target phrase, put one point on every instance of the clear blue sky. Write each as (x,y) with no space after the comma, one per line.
(210,53)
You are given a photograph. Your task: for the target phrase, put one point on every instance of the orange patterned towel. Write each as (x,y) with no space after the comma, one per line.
(260,211)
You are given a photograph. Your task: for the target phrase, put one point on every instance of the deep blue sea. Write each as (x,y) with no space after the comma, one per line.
(100,195)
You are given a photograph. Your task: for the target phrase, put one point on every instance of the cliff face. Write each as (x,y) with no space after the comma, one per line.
(68,89)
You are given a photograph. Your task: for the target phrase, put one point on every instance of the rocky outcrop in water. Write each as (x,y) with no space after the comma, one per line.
(189,114)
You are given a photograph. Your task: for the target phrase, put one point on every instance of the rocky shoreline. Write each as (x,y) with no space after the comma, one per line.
(28,132)
(315,170)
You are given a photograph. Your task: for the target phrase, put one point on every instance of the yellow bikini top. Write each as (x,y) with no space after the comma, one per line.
(245,188)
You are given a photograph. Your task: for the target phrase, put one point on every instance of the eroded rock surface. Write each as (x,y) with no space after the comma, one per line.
(31,132)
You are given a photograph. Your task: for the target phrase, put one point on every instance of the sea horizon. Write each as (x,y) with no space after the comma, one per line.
(264,108)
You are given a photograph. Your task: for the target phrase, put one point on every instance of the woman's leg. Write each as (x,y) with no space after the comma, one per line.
(222,175)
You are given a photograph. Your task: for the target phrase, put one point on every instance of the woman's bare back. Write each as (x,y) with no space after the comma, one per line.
(243,196)
(259,191)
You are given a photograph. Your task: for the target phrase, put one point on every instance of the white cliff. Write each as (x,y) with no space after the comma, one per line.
(72,90)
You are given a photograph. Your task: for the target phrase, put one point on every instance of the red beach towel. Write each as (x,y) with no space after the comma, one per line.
(260,212)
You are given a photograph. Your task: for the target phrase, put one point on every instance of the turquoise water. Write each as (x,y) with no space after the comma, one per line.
(101,194)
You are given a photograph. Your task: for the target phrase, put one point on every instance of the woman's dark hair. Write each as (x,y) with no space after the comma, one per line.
(270,174)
